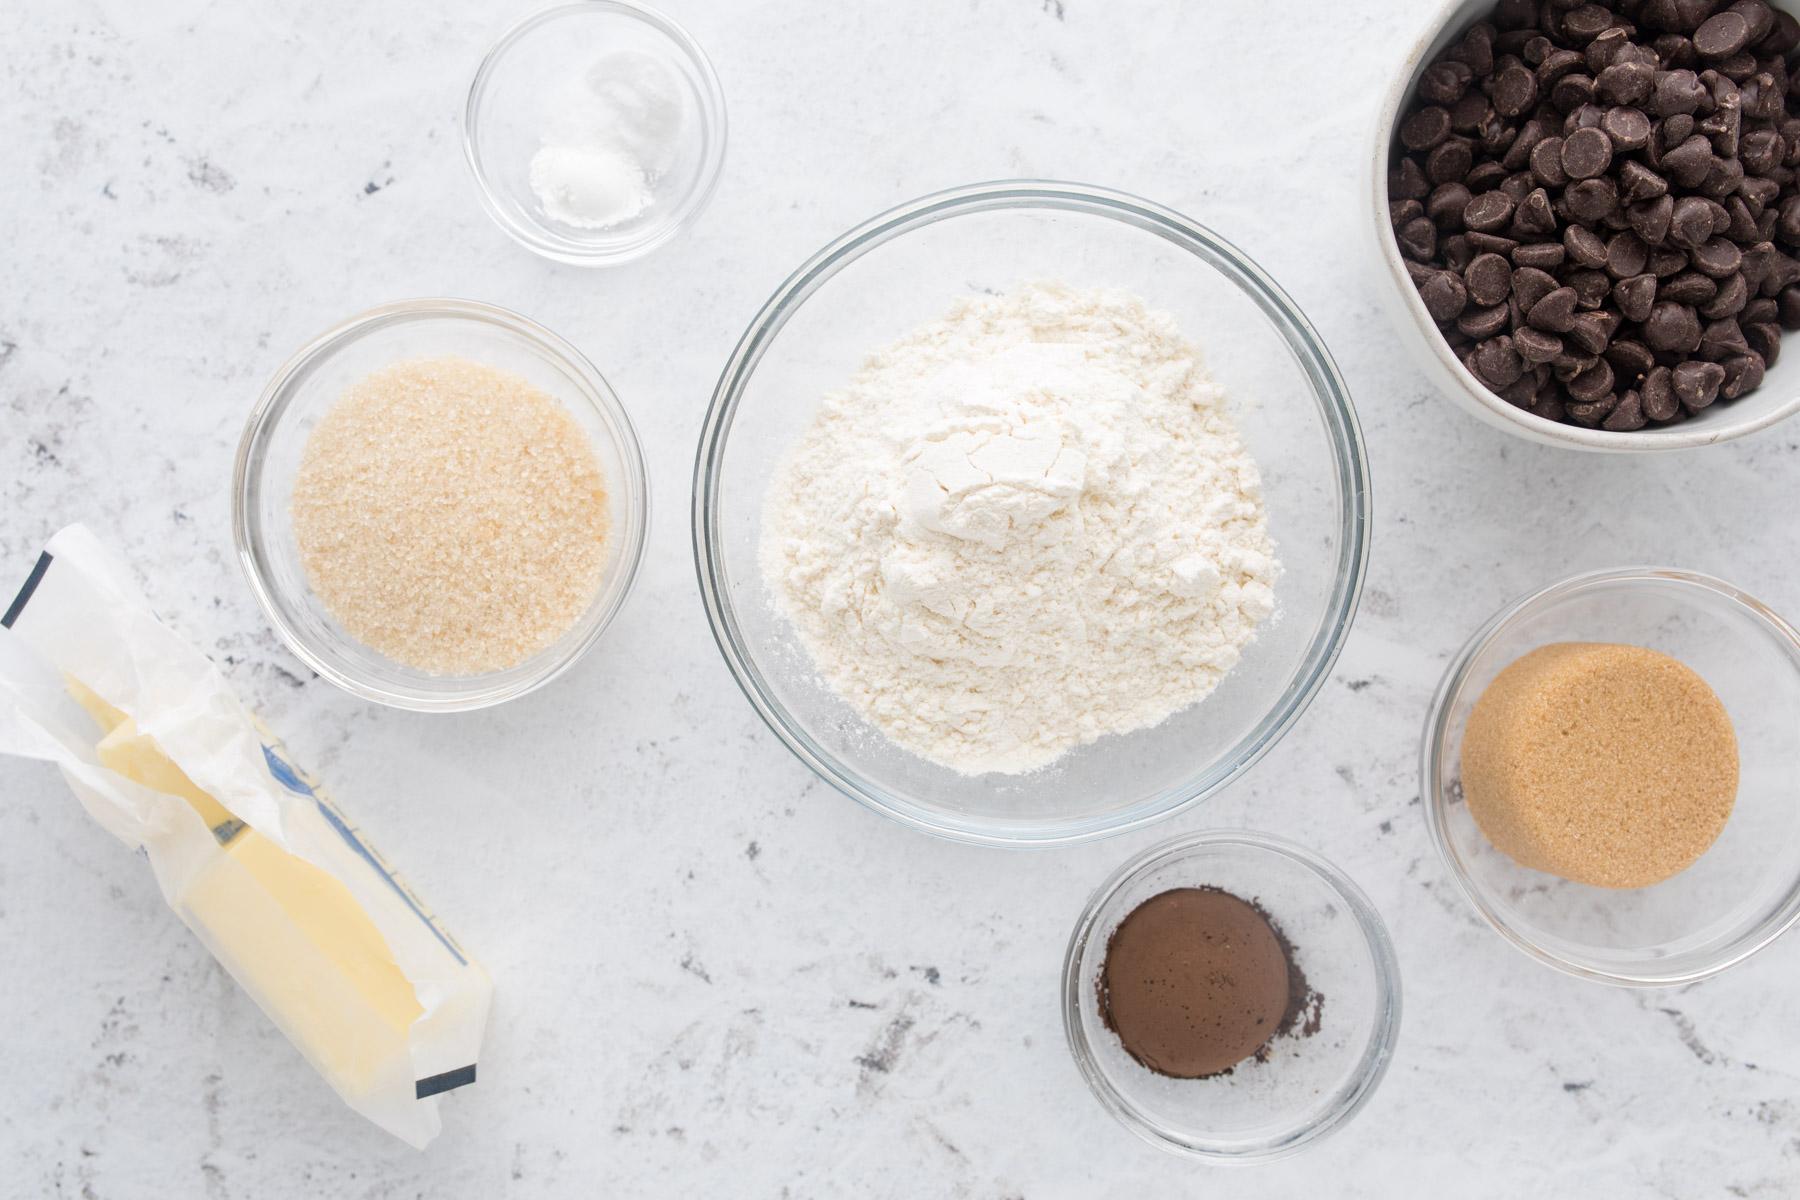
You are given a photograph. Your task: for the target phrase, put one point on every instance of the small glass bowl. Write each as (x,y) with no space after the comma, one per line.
(1745,890)
(509,106)
(1310,1085)
(307,386)
(907,266)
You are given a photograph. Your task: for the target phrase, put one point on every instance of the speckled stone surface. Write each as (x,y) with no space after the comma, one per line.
(745,984)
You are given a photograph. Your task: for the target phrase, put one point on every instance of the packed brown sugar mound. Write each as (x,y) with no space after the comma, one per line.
(451,516)
(1609,765)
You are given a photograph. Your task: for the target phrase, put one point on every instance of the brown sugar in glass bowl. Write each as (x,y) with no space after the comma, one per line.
(1610,765)
(1738,896)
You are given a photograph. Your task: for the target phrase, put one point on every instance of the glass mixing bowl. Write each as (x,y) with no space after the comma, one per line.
(906,267)
(1310,1085)
(1745,890)
(306,387)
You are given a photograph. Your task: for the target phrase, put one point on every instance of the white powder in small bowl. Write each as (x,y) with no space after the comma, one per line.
(451,516)
(608,139)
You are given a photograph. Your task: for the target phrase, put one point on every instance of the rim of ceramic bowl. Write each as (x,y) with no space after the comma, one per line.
(1708,431)
(542,239)
(271,406)
(1329,393)
(1371,1067)
(1431,766)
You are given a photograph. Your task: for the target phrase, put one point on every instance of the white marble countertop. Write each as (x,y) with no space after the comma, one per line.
(751,986)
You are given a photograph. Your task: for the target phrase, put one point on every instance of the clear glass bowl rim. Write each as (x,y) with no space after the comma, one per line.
(272,405)
(1376,1056)
(1431,751)
(563,250)
(1329,392)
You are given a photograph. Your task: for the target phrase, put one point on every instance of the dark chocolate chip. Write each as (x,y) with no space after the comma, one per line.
(1591,287)
(1546,162)
(1697,384)
(1721,340)
(1650,219)
(1760,16)
(1631,360)
(1625,83)
(1628,416)
(1742,374)
(1534,215)
(1418,237)
(1585,246)
(1628,128)
(1450,162)
(1489,279)
(1689,287)
(1487,212)
(1675,92)
(1626,255)
(1658,395)
(1765,340)
(1555,312)
(1444,295)
(1496,363)
(1536,345)
(1733,295)
(1545,256)
(1591,331)
(1635,296)
(1592,383)
(1446,204)
(1591,199)
(1425,128)
(1722,35)
(1531,285)
(1572,91)
(1665,262)
(1480,323)
(1790,308)
(1687,164)
(1718,258)
(1585,23)
(1407,181)
(1516,91)
(1445,81)
(1672,328)
(1586,153)
(1488,243)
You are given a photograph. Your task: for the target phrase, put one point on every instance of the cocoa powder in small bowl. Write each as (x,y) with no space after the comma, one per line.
(1197,981)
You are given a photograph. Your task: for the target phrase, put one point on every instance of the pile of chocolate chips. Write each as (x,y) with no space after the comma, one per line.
(1598,203)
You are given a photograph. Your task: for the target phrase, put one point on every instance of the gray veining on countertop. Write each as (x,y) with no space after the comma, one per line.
(745,984)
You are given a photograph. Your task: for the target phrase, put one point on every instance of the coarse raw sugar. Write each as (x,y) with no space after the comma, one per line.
(451,516)
(1610,765)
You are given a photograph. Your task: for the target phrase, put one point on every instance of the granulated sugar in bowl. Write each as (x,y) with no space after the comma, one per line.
(440,504)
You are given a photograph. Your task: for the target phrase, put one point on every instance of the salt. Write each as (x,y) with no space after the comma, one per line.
(611,136)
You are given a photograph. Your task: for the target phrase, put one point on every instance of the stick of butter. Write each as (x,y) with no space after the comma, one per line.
(268,871)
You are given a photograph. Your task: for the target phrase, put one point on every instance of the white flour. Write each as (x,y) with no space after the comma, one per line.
(1021,528)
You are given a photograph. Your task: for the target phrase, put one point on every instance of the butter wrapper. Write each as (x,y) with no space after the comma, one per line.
(265,868)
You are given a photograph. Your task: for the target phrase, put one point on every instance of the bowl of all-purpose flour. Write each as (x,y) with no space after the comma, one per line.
(1030,512)
(595,130)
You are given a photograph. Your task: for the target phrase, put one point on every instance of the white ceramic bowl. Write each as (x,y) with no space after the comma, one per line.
(1777,398)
